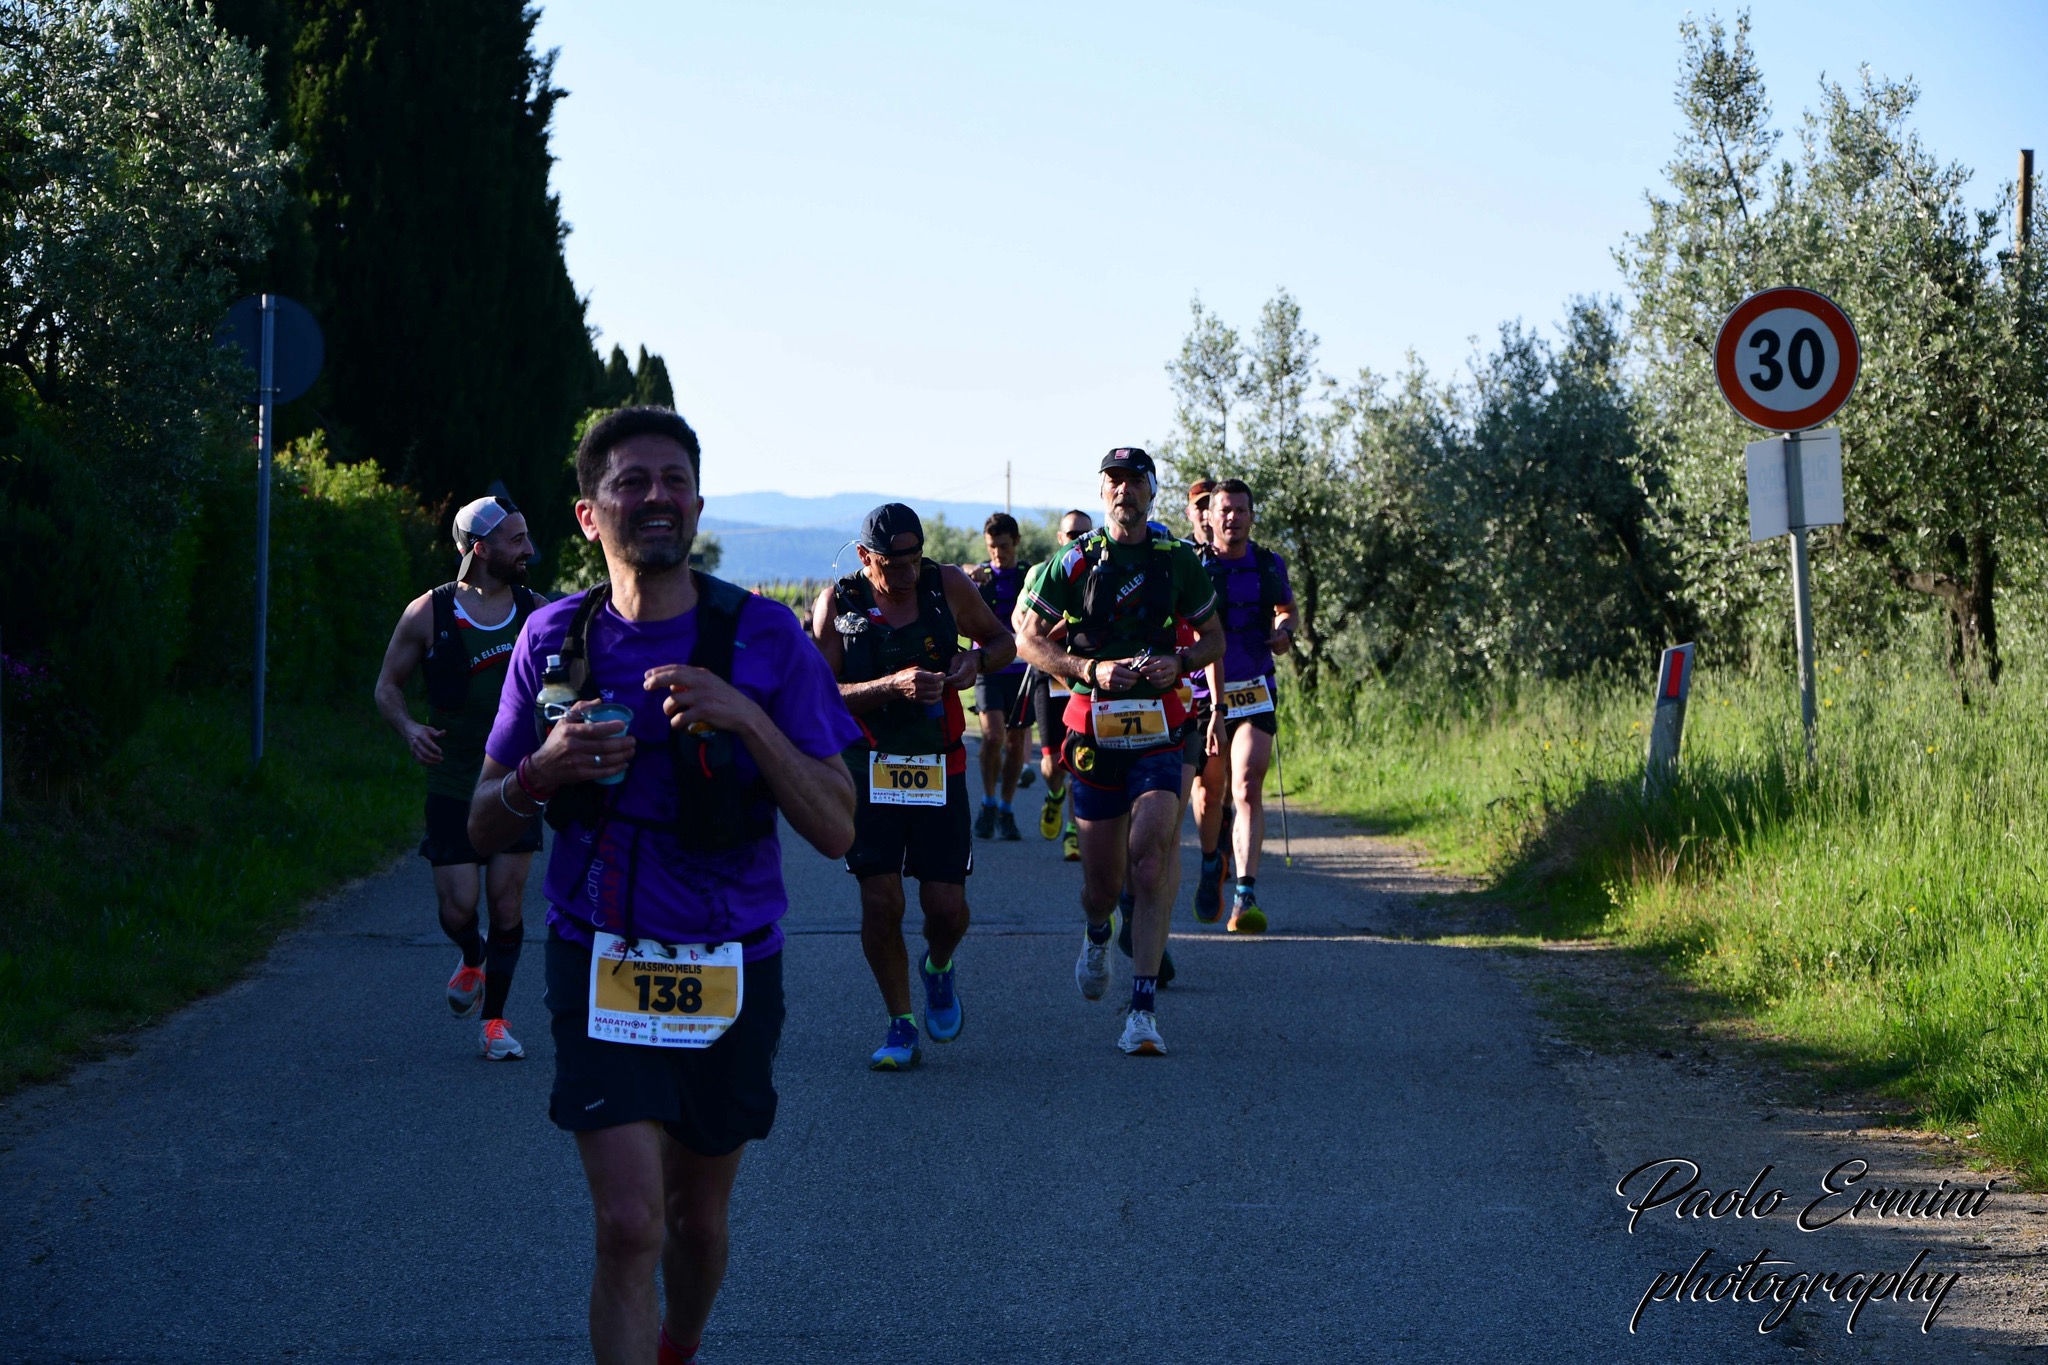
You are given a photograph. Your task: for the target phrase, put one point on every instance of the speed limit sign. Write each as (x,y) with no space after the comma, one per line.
(1786,359)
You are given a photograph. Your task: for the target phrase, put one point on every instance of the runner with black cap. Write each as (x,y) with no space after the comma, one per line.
(463,633)
(1121,591)
(890,634)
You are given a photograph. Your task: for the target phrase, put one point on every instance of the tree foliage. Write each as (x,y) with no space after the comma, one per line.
(1574,504)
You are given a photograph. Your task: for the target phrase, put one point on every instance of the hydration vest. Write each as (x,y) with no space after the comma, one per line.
(715,808)
(1272,592)
(447,664)
(1105,588)
(875,649)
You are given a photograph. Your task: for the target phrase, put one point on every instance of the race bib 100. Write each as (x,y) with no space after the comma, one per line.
(906,779)
(663,995)
(1253,698)
(1128,724)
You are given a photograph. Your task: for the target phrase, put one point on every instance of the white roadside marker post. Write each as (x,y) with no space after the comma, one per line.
(1667,720)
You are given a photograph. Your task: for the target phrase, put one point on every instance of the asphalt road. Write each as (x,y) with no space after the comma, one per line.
(1356,1150)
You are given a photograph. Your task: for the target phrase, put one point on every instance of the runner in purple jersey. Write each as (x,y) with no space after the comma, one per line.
(1259,621)
(1001,580)
(665,876)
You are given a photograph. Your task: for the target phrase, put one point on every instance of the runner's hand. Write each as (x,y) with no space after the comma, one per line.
(1161,670)
(697,696)
(918,684)
(1280,641)
(1215,731)
(980,573)
(420,739)
(581,750)
(1116,677)
(965,669)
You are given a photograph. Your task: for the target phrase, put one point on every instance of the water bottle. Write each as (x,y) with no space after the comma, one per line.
(555,697)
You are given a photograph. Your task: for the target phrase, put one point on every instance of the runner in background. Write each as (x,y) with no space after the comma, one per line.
(1257,606)
(1001,581)
(463,633)
(890,634)
(1048,701)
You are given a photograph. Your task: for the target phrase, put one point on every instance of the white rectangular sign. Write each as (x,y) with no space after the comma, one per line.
(1794,483)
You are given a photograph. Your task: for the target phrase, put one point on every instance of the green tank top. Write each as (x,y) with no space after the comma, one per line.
(462,747)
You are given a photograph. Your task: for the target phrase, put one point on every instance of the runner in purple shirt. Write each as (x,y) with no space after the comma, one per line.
(664,969)
(1259,621)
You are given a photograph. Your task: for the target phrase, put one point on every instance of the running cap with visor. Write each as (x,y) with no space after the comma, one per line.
(892,519)
(1200,489)
(475,520)
(1128,457)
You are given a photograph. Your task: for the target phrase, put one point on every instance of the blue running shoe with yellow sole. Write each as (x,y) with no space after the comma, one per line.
(898,1051)
(942,1013)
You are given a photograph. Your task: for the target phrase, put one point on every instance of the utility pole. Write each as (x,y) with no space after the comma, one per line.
(2023,212)
(1006,482)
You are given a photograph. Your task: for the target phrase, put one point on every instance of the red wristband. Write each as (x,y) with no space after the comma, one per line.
(519,773)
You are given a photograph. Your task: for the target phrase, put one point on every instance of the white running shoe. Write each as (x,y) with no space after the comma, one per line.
(498,1044)
(1141,1035)
(1091,971)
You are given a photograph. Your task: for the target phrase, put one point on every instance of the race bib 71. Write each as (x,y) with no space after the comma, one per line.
(1128,724)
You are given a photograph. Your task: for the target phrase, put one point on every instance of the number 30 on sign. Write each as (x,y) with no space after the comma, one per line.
(1786,359)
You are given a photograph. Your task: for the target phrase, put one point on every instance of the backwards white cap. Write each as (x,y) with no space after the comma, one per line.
(478,519)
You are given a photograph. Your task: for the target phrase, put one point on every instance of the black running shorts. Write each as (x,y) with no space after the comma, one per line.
(996,692)
(447,842)
(1264,720)
(1194,735)
(709,1099)
(930,843)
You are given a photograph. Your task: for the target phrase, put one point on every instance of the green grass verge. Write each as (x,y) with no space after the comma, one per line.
(1880,917)
(172,870)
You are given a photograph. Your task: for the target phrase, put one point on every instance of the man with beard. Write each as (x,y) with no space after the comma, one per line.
(664,885)
(1121,592)
(463,632)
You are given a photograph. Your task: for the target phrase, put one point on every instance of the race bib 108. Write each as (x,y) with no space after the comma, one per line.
(1253,698)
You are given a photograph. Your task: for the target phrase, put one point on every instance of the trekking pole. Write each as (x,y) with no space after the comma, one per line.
(1286,844)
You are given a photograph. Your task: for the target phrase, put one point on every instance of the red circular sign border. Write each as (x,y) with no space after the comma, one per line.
(1831,316)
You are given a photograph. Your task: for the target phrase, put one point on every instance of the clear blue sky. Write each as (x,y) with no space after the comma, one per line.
(892,246)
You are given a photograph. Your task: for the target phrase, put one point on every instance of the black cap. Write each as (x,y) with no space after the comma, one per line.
(1128,458)
(887,522)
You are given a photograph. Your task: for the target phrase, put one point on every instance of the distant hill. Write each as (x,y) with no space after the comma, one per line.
(838,509)
(777,538)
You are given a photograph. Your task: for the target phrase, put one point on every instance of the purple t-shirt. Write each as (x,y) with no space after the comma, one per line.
(1000,592)
(1246,620)
(678,896)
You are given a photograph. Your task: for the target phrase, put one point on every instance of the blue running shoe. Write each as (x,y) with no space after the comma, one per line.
(898,1051)
(942,1014)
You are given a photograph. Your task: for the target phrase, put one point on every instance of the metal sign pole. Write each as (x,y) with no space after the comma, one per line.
(265,404)
(1802,588)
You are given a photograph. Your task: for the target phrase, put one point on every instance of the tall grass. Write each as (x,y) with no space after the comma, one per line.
(170,869)
(1884,908)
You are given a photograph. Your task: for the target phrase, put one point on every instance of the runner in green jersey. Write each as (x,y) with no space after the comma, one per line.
(462,634)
